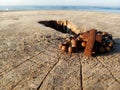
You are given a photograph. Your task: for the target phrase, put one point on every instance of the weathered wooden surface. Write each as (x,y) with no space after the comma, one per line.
(30,58)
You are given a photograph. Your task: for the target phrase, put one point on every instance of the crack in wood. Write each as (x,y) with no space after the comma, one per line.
(51,70)
(44,54)
(20,64)
(37,62)
(24,62)
(13,86)
(109,71)
(48,72)
(24,77)
(81,75)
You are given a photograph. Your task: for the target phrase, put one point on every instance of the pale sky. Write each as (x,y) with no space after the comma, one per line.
(62,2)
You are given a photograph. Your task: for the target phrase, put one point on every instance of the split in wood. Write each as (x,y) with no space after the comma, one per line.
(63,26)
(92,41)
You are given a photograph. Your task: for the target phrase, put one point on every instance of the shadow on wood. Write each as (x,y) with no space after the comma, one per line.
(115,49)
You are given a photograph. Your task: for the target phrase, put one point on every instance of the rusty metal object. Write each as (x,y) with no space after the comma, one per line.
(90,43)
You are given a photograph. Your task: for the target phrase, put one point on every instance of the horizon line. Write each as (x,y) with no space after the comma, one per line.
(63,5)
